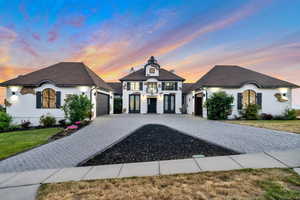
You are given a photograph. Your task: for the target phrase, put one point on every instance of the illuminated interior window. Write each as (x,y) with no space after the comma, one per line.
(48,98)
(249,97)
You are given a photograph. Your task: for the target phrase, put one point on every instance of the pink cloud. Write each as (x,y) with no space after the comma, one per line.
(7,34)
(36,36)
(52,36)
(28,48)
(75,21)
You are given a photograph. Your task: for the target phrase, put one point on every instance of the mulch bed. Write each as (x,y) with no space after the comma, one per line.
(156,142)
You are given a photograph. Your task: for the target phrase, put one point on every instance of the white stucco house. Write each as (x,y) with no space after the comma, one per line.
(42,92)
(246,86)
(151,89)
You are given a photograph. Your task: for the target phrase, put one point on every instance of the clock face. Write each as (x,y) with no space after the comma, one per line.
(152,70)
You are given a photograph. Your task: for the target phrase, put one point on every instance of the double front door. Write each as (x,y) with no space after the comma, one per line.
(169,103)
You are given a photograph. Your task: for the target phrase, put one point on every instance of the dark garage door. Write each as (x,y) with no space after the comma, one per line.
(102,104)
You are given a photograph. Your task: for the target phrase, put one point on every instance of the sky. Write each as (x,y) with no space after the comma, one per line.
(189,37)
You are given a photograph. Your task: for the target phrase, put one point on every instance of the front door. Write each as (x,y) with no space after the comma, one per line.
(134,103)
(198,106)
(169,103)
(151,105)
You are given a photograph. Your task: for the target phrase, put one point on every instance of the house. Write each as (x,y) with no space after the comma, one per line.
(152,89)
(246,86)
(30,96)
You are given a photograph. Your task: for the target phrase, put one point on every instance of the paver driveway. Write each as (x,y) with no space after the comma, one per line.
(107,130)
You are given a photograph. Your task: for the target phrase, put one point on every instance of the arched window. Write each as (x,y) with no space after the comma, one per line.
(249,97)
(49,98)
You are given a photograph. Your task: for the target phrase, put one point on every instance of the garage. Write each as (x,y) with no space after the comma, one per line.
(102,107)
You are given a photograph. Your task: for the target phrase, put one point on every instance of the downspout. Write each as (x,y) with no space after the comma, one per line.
(91,94)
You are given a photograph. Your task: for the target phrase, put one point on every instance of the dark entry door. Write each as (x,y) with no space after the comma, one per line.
(169,103)
(134,103)
(198,106)
(102,104)
(151,105)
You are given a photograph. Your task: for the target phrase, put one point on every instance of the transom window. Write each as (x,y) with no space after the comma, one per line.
(169,86)
(48,98)
(249,97)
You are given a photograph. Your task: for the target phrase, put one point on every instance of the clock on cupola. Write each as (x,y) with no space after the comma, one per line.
(152,67)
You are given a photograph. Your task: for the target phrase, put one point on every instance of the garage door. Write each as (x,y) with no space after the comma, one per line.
(102,104)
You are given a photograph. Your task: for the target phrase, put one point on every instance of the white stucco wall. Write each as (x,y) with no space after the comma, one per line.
(24,106)
(159,95)
(270,104)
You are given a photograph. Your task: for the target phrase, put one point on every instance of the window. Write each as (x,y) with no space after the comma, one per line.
(249,97)
(169,86)
(134,85)
(134,103)
(152,87)
(152,70)
(48,98)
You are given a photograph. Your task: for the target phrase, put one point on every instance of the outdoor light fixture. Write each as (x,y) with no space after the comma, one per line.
(83,89)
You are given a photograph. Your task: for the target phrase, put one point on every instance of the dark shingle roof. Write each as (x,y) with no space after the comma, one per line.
(186,87)
(229,76)
(164,75)
(63,74)
(116,86)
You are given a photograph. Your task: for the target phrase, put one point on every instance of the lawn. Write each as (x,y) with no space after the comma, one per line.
(263,184)
(18,141)
(280,125)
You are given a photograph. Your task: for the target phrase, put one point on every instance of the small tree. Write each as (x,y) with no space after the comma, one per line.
(5,120)
(250,112)
(77,107)
(219,106)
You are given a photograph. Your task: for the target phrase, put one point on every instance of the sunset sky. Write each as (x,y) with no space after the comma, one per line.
(188,36)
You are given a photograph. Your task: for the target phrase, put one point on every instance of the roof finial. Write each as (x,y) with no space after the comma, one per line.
(152,60)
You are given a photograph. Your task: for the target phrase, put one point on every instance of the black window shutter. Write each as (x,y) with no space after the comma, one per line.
(176,85)
(58,97)
(240,101)
(259,99)
(163,86)
(141,85)
(128,85)
(38,99)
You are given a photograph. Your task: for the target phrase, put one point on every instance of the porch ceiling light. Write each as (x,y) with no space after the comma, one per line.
(283,90)
(14,88)
(83,88)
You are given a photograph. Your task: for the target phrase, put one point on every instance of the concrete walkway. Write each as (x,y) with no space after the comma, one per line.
(108,130)
(23,185)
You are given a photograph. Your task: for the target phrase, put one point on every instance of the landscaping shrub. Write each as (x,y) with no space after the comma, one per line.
(265,116)
(5,120)
(47,120)
(290,114)
(77,107)
(250,112)
(219,106)
(279,117)
(25,124)
(62,122)
(2,108)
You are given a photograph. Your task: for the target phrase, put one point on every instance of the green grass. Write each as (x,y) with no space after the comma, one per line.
(18,141)
(280,125)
